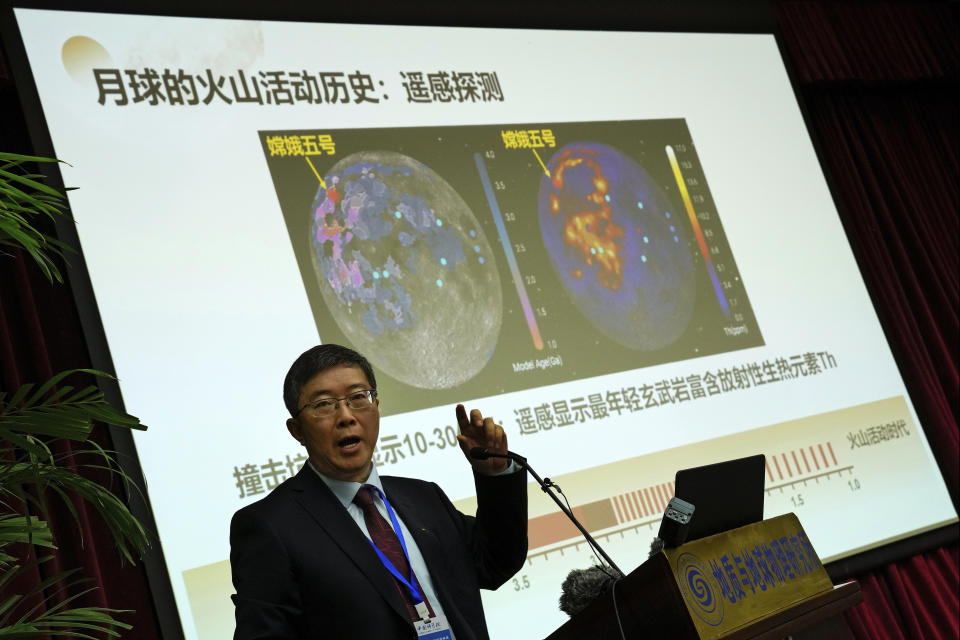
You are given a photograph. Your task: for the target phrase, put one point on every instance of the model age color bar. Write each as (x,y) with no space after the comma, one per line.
(697,231)
(508,249)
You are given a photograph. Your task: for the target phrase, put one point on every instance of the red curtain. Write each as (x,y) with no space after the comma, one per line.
(878,81)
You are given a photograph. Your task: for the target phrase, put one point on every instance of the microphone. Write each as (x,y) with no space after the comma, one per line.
(483,453)
(583,586)
(676,523)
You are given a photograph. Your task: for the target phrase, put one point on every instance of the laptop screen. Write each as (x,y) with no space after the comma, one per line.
(725,495)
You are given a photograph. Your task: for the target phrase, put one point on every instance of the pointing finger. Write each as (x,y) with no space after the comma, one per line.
(462,417)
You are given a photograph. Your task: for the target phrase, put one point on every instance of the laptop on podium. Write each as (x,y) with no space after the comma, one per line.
(725,495)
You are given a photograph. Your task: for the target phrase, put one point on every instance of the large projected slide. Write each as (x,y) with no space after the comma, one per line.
(620,245)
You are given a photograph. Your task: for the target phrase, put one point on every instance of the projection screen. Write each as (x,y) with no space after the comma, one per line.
(620,245)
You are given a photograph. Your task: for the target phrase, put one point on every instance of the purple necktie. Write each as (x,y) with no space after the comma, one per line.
(384,537)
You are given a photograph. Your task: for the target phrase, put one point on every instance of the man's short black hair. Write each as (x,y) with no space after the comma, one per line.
(313,361)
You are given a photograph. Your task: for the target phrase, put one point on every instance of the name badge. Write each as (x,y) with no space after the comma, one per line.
(423,610)
(435,628)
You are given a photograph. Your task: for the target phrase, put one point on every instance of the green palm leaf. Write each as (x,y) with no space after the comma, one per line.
(129,534)
(22,197)
(59,413)
(48,617)
(56,410)
(28,529)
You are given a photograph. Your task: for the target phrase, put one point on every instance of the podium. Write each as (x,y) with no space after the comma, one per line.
(762,581)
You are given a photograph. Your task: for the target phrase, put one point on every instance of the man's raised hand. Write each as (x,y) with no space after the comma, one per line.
(477,431)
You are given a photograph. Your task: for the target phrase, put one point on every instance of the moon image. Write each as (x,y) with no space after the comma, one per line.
(405,269)
(81,55)
(617,245)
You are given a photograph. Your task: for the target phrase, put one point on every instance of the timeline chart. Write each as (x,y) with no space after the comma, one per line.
(614,515)
(633,510)
(841,472)
(479,260)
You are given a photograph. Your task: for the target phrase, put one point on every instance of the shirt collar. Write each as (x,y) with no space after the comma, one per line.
(346,490)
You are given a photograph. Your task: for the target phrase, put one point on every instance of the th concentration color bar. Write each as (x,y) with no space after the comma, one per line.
(697,231)
(508,249)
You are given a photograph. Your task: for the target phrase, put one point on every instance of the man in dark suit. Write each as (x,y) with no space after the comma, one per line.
(314,559)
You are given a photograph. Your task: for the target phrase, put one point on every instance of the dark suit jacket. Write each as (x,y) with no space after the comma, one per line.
(302,568)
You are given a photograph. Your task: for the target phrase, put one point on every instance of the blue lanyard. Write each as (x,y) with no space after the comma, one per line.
(411,583)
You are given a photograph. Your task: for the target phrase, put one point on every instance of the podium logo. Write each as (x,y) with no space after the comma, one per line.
(699,590)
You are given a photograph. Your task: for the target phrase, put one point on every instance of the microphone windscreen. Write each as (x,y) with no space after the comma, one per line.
(583,586)
(656,546)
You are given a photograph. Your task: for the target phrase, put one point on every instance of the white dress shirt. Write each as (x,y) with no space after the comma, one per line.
(346,491)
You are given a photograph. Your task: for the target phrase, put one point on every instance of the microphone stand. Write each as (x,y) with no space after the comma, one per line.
(546,486)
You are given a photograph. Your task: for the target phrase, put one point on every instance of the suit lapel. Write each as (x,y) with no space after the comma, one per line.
(407,509)
(327,511)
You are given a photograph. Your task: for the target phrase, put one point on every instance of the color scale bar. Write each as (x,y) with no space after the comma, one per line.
(508,249)
(697,230)
(647,503)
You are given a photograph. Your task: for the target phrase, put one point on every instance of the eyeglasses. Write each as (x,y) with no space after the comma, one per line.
(356,401)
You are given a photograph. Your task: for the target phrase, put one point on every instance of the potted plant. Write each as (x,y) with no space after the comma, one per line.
(33,466)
